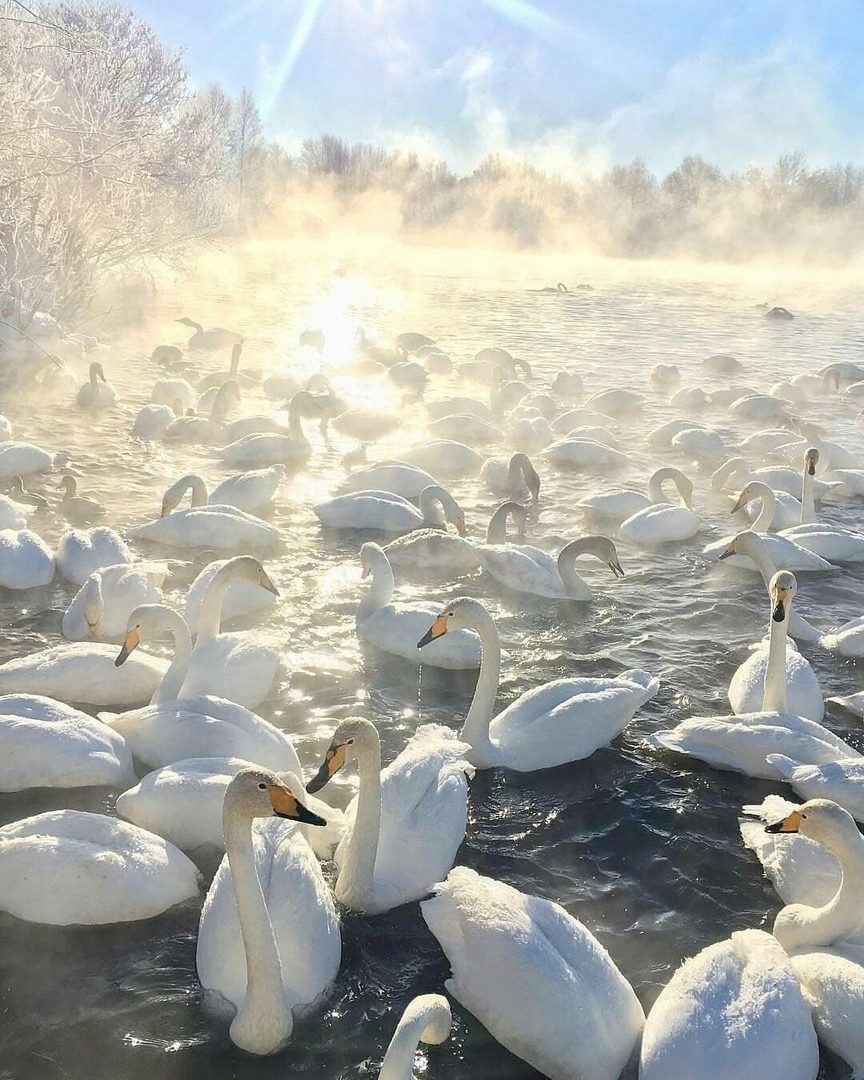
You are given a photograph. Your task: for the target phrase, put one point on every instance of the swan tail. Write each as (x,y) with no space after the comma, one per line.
(650,683)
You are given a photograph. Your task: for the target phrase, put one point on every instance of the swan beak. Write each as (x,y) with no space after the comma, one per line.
(740,504)
(265,583)
(436,630)
(460,526)
(93,629)
(366,571)
(781,597)
(728,552)
(286,806)
(334,759)
(130,643)
(811,466)
(789,824)
(615,567)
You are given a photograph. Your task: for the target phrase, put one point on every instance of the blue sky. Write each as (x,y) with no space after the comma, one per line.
(565,83)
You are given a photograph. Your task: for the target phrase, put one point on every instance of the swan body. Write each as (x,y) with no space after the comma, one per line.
(215,338)
(564,720)
(529,570)
(662,522)
(222,528)
(167,391)
(535,977)
(700,445)
(841,781)
(396,628)
(97,393)
(251,491)
(614,506)
(81,509)
(747,686)
(13,515)
(831,542)
(661,437)
(268,939)
(615,402)
(567,383)
(736,473)
(735,1009)
(832,980)
(665,375)
(787,511)
(406,823)
(515,477)
(465,426)
(386,512)
(66,867)
(100,609)
(81,552)
(47,744)
(689,397)
(761,407)
(84,673)
(585,455)
(367,425)
(454,405)
(426,1019)
(432,553)
(242,599)
(450,460)
(723,364)
(182,802)
(261,450)
(407,481)
(847,640)
(23,459)
(26,561)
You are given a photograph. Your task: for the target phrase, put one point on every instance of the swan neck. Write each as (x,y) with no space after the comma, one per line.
(576,586)
(210,617)
(380,591)
(496,530)
(769,504)
(808,503)
(775,697)
(173,679)
(355,886)
(398,1063)
(475,730)
(759,555)
(264,1004)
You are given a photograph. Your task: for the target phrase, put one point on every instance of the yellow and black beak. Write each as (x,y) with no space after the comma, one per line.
(436,630)
(740,503)
(781,599)
(334,759)
(789,824)
(728,552)
(130,644)
(811,466)
(265,582)
(286,806)
(615,567)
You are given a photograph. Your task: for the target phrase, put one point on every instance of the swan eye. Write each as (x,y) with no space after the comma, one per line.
(263,786)
(350,742)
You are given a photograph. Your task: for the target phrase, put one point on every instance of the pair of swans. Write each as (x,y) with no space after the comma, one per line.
(743,742)
(648,518)
(385,512)
(205,430)
(260,449)
(221,526)
(561,721)
(828,541)
(97,392)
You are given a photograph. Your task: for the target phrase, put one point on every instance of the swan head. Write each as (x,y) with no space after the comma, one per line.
(821,820)
(811,460)
(521,463)
(94,605)
(599,546)
(352,734)
(371,555)
(147,620)
(174,495)
(461,614)
(257,792)
(782,589)
(743,544)
(247,568)
(453,512)
(188,322)
(754,490)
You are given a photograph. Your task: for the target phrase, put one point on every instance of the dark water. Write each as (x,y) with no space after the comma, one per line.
(644,850)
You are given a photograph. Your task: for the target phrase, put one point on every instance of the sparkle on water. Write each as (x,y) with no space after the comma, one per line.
(644,851)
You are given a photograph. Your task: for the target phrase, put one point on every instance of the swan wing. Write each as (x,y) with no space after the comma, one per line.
(747,686)
(523,568)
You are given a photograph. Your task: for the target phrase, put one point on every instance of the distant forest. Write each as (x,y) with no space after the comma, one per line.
(110,157)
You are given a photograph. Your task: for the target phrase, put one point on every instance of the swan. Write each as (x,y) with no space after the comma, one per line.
(450,460)
(847,640)
(100,609)
(761,407)
(828,541)
(47,744)
(778,511)
(259,450)
(688,397)
(205,430)
(741,743)
(169,391)
(450,406)
(473,429)
(221,528)
(840,781)
(661,522)
(395,477)
(230,665)
(79,508)
(700,445)
(13,515)
(516,477)
(215,338)
(395,629)
(615,505)
(584,455)
(406,822)
(733,1010)
(23,459)
(529,570)
(167,355)
(216,378)
(578,418)
(249,491)
(243,598)
(615,402)
(67,867)
(556,289)
(723,364)
(832,980)
(530,433)
(567,383)
(561,721)
(182,802)
(26,561)
(367,425)
(535,977)
(152,421)
(661,437)
(95,394)
(664,376)
(386,512)
(753,546)
(268,939)
(426,1019)
(81,552)
(736,472)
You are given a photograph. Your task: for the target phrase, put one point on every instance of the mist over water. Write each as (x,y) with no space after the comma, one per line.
(644,851)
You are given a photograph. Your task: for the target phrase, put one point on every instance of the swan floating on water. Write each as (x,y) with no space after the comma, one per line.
(26,561)
(81,552)
(215,338)
(385,512)
(97,393)
(101,608)
(661,522)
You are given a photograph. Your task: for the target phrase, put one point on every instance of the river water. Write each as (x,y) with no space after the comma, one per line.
(641,847)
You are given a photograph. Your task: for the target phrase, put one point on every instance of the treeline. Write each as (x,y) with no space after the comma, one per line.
(110,157)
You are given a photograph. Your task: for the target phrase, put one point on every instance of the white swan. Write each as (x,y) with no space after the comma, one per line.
(397,477)
(81,552)
(216,378)
(584,455)
(761,407)
(741,743)
(367,425)
(515,477)
(101,607)
(67,867)
(474,430)
(615,505)
(96,394)
(242,599)
(260,450)
(406,822)
(733,1010)
(268,940)
(44,743)
(26,561)
(426,1019)
(749,684)
(152,421)
(23,459)
(830,541)
(205,430)
(563,720)
(616,401)
(735,473)
(183,803)
(167,391)
(221,528)
(249,491)
(662,522)
(13,515)
(395,629)
(216,338)
(528,569)
(700,445)
(230,665)
(841,781)
(386,512)
(449,459)
(833,983)
(535,977)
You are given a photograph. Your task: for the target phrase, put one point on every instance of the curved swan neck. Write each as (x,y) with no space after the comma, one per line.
(721,477)
(235,358)
(659,478)
(752,545)
(765,519)
(496,530)
(380,591)
(576,586)
(355,886)
(808,503)
(398,1063)
(263,1011)
(210,616)
(173,679)
(775,697)
(475,730)
(193,484)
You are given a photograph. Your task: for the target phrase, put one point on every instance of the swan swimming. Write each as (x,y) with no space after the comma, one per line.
(386,512)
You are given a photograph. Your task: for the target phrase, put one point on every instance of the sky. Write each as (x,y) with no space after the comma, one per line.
(564,83)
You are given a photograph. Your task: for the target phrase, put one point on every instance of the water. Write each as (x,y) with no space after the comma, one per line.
(644,850)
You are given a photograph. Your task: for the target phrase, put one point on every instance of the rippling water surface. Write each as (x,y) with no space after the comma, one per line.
(646,852)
